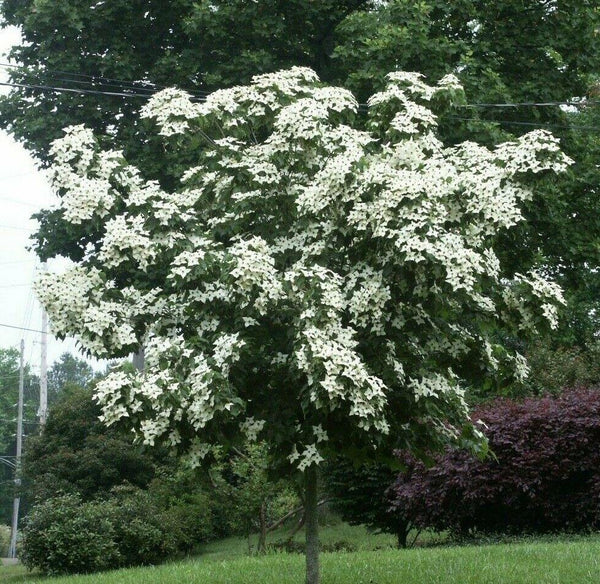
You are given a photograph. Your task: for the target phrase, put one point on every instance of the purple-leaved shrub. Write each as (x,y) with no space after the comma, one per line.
(543,474)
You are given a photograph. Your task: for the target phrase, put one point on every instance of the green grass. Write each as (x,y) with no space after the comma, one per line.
(546,561)
(358,536)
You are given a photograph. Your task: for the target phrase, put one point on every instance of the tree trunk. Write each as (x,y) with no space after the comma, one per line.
(312,527)
(262,536)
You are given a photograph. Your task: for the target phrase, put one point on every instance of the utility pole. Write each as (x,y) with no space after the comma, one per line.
(12,552)
(43,411)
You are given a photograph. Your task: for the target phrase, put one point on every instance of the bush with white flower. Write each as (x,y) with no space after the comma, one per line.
(323,279)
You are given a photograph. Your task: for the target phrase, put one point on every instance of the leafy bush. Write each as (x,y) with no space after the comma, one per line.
(544,475)
(64,535)
(130,528)
(79,454)
(143,530)
(4,540)
(552,369)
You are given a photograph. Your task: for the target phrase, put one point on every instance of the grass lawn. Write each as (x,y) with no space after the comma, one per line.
(554,561)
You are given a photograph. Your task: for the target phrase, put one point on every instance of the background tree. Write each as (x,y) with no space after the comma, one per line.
(68,373)
(78,454)
(360,496)
(324,288)
(503,52)
(255,500)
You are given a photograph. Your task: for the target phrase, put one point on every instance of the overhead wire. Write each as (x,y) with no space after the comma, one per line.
(129,88)
(95,79)
(12,326)
(153,87)
(532,124)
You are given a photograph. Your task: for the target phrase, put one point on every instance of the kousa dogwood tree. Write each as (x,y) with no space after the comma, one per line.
(323,279)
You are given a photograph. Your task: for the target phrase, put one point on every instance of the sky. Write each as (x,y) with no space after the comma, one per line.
(23,191)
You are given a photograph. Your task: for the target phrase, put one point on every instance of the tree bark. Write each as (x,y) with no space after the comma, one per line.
(262,537)
(312,527)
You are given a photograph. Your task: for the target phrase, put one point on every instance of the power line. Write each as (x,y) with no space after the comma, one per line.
(576,103)
(202,95)
(11,176)
(95,79)
(16,262)
(16,201)
(532,124)
(72,90)
(16,228)
(21,328)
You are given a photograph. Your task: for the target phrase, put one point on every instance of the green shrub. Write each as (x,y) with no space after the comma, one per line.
(64,536)
(143,534)
(4,540)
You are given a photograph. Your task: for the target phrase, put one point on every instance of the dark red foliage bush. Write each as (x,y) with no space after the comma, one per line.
(543,474)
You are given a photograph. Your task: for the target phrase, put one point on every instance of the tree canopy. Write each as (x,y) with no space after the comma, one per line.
(527,52)
(324,287)
(306,273)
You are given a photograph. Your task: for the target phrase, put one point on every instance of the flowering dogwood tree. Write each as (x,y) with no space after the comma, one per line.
(323,279)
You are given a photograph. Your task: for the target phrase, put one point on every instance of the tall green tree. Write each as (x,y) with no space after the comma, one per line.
(198,45)
(78,454)
(68,373)
(506,51)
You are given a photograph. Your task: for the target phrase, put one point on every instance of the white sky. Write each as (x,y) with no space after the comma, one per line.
(23,191)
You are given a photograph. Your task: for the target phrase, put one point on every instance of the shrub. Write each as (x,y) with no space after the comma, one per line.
(64,535)
(143,531)
(544,474)
(4,540)
(79,454)
(552,369)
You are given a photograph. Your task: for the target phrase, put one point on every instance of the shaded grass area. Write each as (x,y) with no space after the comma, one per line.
(545,562)
(355,535)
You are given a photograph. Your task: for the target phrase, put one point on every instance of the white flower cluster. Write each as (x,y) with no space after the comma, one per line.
(309,456)
(75,148)
(227,351)
(251,428)
(434,385)
(298,254)
(346,377)
(370,294)
(171,109)
(126,238)
(254,270)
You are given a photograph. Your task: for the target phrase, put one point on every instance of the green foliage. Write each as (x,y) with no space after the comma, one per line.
(553,369)
(360,495)
(9,397)
(196,516)
(68,535)
(64,535)
(68,373)
(183,43)
(143,532)
(4,540)
(78,454)
(246,497)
